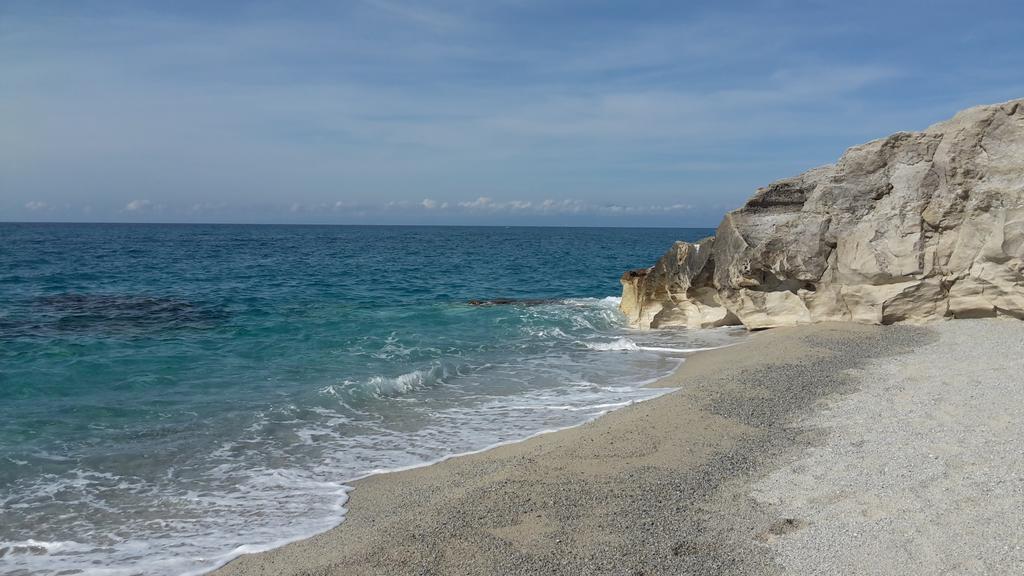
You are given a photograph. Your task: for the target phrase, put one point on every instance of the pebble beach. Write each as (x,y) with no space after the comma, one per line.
(787,454)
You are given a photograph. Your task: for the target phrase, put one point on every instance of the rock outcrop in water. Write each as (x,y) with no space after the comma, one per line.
(915,226)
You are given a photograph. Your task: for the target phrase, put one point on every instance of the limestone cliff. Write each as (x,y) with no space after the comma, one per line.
(915,226)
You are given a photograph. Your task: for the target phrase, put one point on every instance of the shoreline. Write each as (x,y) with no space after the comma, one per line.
(252,549)
(359,545)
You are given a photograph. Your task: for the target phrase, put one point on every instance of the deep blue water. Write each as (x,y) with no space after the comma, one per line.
(170,393)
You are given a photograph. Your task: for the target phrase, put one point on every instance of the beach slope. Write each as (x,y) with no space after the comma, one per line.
(754,466)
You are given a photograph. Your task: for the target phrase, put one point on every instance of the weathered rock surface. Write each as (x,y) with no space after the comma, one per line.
(915,226)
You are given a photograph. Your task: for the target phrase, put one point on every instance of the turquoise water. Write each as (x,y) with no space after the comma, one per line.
(173,395)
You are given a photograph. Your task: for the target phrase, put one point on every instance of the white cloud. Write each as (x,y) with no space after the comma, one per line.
(343,211)
(566,206)
(487,205)
(137,205)
(481,202)
(431,204)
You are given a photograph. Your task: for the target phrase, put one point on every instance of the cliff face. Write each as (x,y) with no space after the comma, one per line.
(911,227)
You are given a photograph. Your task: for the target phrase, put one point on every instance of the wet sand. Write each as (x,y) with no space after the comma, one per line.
(692,482)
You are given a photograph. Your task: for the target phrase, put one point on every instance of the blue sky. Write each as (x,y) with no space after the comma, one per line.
(466,112)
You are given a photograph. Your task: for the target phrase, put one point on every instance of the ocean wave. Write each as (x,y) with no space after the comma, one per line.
(606,302)
(591,407)
(385,386)
(551,332)
(677,350)
(620,344)
(627,345)
(40,547)
(391,386)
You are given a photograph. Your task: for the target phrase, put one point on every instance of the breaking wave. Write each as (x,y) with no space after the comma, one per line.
(621,344)
(391,386)
(627,345)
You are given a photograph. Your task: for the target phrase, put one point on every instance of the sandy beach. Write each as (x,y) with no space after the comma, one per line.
(825,449)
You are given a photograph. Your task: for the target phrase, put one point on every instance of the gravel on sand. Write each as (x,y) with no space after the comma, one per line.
(825,449)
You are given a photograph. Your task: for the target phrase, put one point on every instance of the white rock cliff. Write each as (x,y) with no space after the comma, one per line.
(916,226)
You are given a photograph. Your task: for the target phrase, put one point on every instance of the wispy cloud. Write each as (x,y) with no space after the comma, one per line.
(430,204)
(137,205)
(482,108)
(418,13)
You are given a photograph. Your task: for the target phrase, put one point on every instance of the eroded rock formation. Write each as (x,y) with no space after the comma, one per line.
(915,226)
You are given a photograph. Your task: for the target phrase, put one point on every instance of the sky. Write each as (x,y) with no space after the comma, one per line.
(631,113)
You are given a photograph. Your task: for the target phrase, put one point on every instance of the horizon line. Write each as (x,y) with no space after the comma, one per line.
(93,223)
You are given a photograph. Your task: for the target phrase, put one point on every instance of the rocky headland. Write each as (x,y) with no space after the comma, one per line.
(915,226)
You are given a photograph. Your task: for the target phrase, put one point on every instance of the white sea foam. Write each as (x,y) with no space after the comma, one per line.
(403,383)
(620,344)
(38,547)
(627,345)
(597,407)
(390,386)
(678,350)
(553,333)
(384,386)
(607,301)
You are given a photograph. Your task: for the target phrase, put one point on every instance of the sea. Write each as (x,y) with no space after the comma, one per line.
(172,396)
